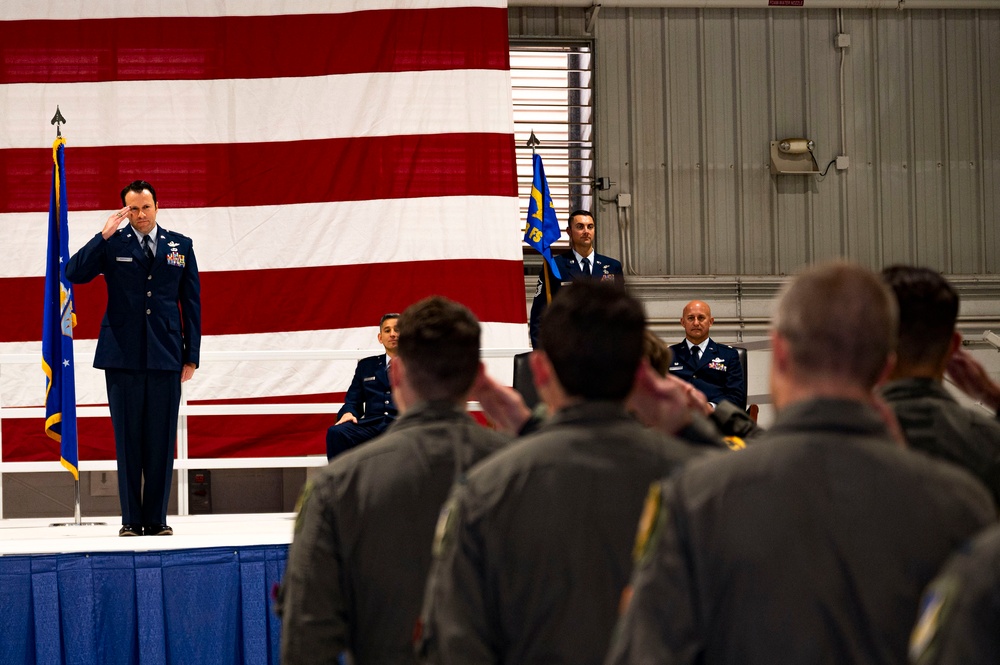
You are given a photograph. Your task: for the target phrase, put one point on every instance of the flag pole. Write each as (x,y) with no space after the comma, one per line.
(58,120)
(532,143)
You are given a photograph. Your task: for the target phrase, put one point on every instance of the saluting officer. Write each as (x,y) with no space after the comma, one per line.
(148,345)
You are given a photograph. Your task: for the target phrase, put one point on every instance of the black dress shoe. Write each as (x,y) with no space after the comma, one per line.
(130,530)
(158,530)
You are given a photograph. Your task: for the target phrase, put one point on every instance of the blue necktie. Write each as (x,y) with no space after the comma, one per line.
(147,246)
(586,267)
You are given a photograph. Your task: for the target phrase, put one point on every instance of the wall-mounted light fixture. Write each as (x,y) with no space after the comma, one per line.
(793,157)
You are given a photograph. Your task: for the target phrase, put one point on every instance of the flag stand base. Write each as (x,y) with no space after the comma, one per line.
(76,513)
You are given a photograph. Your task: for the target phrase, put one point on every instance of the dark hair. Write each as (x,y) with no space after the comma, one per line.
(569,220)
(390,315)
(439,345)
(592,333)
(138,186)
(928,309)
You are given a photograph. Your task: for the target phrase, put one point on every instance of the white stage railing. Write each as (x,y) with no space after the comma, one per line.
(494,358)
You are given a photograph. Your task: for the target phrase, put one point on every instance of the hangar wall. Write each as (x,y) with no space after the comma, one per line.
(688,100)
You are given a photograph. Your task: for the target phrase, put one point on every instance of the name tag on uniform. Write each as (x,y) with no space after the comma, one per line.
(369,378)
(124,259)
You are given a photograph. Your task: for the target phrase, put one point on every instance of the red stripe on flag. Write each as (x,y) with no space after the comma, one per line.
(297,299)
(24,440)
(225,47)
(208,436)
(251,174)
(312,398)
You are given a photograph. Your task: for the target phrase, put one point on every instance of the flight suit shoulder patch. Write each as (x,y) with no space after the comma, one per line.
(650,523)
(734,442)
(444,531)
(935,606)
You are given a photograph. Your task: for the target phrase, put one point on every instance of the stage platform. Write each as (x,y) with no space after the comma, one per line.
(82,595)
(35,536)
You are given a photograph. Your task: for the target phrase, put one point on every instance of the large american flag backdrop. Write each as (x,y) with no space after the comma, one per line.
(332,160)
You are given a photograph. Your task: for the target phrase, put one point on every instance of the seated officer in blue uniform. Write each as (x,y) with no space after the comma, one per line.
(713,368)
(368,407)
(581,262)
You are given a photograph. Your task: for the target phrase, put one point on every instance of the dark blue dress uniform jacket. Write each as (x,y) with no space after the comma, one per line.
(369,397)
(718,373)
(604,268)
(143,327)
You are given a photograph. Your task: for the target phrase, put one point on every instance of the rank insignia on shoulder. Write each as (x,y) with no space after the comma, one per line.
(444,531)
(649,523)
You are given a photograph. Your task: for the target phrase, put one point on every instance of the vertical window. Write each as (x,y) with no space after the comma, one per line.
(551,86)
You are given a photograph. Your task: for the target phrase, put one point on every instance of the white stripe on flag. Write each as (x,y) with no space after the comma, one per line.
(19,384)
(22,10)
(302,235)
(257,110)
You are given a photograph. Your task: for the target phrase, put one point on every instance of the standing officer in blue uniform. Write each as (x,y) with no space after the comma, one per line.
(581,262)
(368,406)
(148,345)
(712,368)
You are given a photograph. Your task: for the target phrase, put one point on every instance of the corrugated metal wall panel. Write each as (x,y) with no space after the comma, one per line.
(686,214)
(689,99)
(755,102)
(962,151)
(928,138)
(547,22)
(644,150)
(988,41)
(892,103)
(860,212)
(612,75)
(717,92)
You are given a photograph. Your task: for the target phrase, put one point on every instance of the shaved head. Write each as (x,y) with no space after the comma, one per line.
(697,321)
